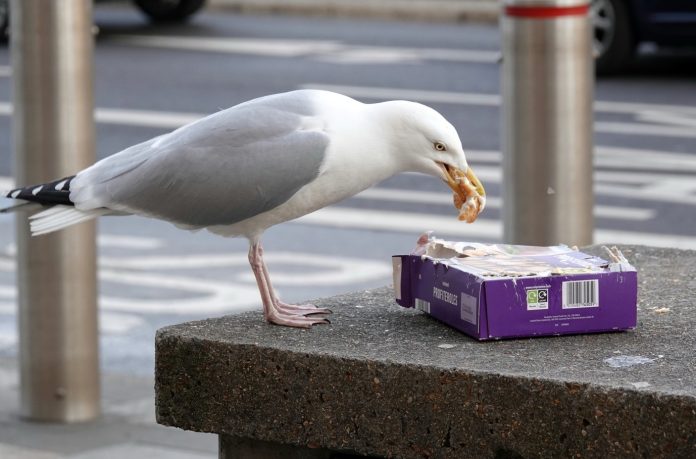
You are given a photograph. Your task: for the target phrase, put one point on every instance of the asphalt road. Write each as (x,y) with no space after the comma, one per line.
(150,80)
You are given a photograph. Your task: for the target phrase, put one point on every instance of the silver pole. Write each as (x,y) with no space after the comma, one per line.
(54,137)
(548,82)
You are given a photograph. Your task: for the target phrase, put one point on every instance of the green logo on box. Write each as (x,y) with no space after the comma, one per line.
(537,298)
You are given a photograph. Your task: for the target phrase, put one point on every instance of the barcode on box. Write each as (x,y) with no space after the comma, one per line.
(580,294)
(423,305)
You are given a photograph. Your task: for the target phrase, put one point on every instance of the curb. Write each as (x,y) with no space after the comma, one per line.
(484,11)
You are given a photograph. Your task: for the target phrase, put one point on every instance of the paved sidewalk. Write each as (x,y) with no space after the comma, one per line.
(127,428)
(420,10)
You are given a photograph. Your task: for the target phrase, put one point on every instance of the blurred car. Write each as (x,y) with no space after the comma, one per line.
(4,19)
(621,25)
(155,10)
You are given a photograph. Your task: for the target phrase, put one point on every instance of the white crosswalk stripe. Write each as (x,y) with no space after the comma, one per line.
(333,51)
(482,229)
(494,202)
(491,100)
(145,118)
(669,115)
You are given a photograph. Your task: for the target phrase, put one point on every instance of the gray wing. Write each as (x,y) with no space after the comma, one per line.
(219,170)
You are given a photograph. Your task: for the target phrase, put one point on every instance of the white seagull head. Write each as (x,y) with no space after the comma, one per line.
(424,141)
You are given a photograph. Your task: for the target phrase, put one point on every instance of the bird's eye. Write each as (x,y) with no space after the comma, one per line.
(439,146)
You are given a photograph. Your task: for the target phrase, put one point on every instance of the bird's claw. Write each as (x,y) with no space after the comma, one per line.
(319,311)
(297,321)
(301,309)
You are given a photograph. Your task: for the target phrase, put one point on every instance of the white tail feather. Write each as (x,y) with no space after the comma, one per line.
(50,211)
(59,217)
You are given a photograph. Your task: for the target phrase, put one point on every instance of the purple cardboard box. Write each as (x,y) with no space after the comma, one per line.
(507,291)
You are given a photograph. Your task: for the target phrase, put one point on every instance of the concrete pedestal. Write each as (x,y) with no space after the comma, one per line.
(389,382)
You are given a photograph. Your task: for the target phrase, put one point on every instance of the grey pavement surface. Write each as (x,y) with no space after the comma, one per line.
(126,429)
(150,80)
(390,381)
(424,10)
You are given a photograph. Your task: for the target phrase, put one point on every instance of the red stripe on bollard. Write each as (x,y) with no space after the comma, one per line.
(545,12)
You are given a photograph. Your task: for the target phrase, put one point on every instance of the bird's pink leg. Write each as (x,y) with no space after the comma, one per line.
(294,309)
(271,312)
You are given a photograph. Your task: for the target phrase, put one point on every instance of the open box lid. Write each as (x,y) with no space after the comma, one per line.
(505,261)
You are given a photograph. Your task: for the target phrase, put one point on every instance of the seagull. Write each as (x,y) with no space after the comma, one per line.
(263,162)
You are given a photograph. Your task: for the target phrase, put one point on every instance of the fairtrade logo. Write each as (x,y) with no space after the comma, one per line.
(537,298)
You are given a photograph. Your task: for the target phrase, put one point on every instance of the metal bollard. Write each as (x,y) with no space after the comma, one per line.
(54,137)
(548,83)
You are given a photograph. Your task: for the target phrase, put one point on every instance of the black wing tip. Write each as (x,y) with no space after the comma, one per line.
(13,194)
(50,193)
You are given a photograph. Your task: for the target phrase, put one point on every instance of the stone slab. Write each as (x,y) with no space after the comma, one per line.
(387,381)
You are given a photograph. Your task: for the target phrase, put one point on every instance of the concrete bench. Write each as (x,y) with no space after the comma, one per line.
(390,382)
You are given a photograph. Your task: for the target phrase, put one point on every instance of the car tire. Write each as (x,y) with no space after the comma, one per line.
(169,10)
(614,39)
(4,20)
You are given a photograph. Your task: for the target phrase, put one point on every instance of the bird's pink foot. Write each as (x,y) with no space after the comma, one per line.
(300,309)
(274,310)
(294,320)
